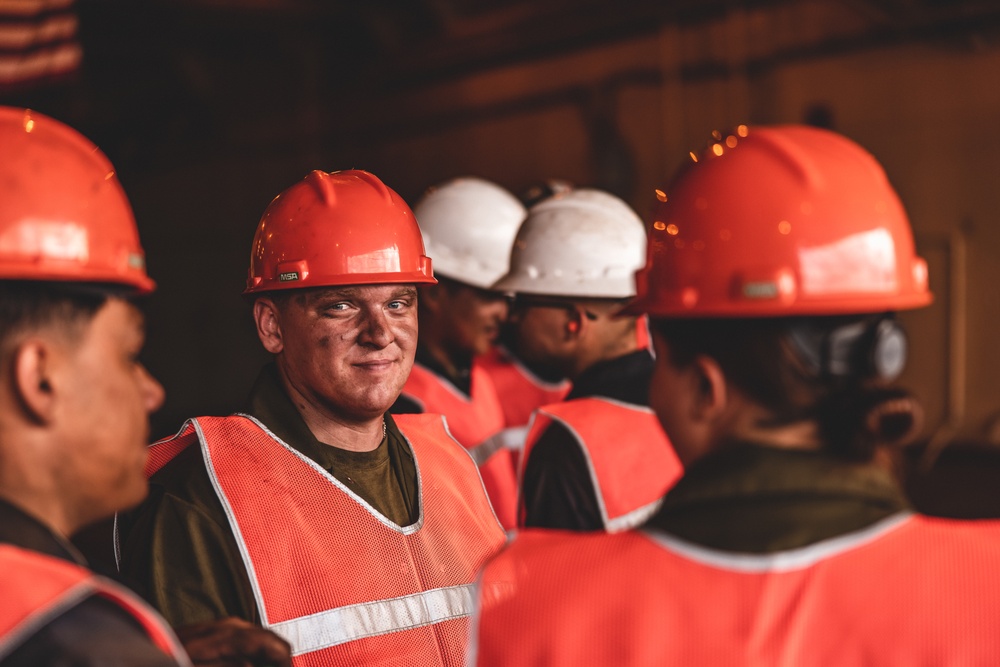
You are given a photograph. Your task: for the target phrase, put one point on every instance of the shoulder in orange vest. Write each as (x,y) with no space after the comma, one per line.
(909,590)
(631,461)
(476,421)
(520,391)
(35,589)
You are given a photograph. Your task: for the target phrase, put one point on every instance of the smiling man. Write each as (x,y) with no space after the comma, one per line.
(354,535)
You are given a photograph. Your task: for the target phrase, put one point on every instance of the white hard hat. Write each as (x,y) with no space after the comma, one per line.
(584,243)
(468,225)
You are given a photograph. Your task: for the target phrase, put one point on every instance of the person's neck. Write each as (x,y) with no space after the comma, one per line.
(753,427)
(452,362)
(613,349)
(362,435)
(356,434)
(44,506)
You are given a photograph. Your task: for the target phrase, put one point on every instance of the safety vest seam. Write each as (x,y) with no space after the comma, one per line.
(590,466)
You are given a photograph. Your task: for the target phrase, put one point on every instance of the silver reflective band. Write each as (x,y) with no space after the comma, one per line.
(634,518)
(781,561)
(367,619)
(509,438)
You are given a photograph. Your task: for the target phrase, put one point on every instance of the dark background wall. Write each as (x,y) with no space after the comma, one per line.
(209,108)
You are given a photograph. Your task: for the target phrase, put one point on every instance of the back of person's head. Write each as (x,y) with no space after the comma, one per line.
(68,238)
(782,252)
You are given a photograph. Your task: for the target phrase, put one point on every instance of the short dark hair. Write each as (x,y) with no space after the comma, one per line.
(854,413)
(27,305)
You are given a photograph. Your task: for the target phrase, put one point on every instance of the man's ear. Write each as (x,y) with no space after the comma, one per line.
(710,391)
(267,318)
(31,370)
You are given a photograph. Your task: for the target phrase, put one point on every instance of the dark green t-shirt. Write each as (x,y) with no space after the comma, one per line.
(177,548)
(754,499)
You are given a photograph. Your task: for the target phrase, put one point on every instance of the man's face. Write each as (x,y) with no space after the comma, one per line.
(348,350)
(108,396)
(540,337)
(471,317)
(670,397)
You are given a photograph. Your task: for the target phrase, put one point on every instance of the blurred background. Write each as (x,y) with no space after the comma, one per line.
(209,108)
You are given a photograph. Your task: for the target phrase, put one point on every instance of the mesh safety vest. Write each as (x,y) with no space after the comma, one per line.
(631,462)
(35,589)
(909,591)
(520,391)
(477,423)
(340,582)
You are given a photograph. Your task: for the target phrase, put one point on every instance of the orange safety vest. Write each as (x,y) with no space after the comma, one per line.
(477,423)
(907,591)
(340,582)
(36,589)
(632,463)
(520,391)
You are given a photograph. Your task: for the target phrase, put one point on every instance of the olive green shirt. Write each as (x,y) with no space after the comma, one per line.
(754,499)
(177,549)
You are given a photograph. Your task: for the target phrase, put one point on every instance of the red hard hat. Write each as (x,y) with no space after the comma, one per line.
(63,214)
(339,228)
(780,221)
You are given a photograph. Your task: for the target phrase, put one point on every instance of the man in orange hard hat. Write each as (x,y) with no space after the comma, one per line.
(775,269)
(353,534)
(74,403)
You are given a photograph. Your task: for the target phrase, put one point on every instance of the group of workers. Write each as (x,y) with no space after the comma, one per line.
(613,442)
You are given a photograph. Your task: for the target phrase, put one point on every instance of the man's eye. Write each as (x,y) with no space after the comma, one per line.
(397,305)
(336,308)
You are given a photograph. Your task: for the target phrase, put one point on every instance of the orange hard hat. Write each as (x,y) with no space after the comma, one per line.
(338,228)
(780,221)
(63,214)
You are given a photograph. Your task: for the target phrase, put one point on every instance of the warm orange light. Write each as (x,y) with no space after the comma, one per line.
(693,156)
(742,130)
(717,149)
(672,229)
(731,141)
(717,135)
(661,195)
(29,124)
(659,226)
(784,227)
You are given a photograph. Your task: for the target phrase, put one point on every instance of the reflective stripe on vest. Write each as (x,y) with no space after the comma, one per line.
(474,421)
(520,391)
(908,590)
(631,462)
(342,583)
(36,589)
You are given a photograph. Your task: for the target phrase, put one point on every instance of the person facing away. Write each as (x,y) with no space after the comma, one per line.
(777,261)
(468,225)
(597,460)
(353,534)
(74,407)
